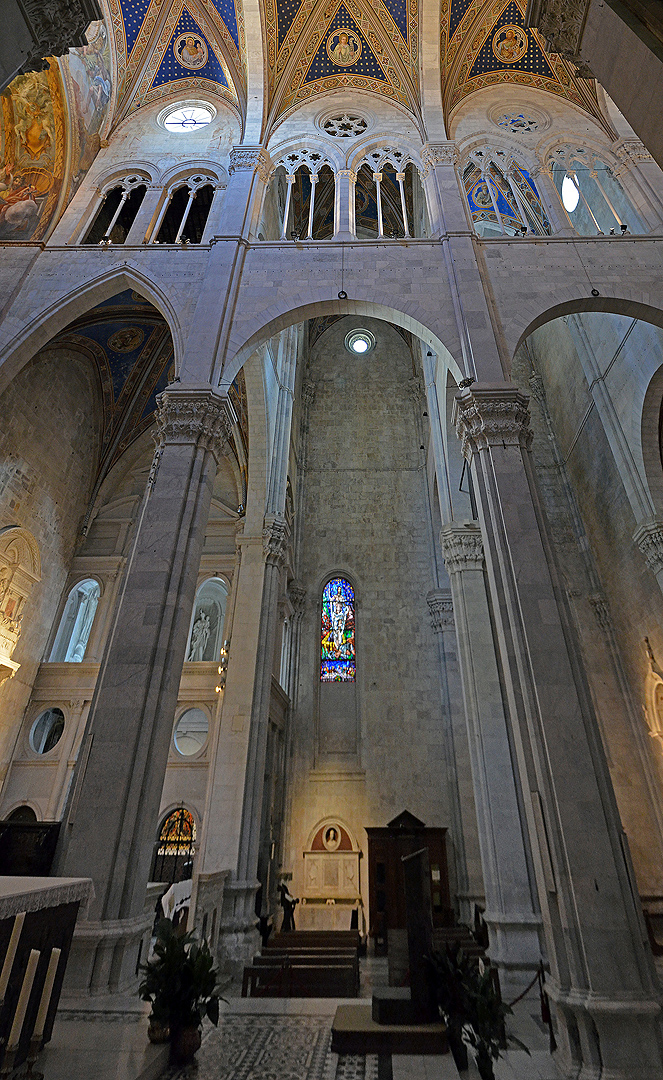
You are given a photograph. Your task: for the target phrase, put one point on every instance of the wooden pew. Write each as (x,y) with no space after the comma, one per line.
(307,980)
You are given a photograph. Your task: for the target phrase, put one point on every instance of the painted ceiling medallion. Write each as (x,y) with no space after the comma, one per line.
(343,47)
(510,44)
(190,51)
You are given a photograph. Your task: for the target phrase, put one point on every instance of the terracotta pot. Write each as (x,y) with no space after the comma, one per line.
(158,1031)
(184,1044)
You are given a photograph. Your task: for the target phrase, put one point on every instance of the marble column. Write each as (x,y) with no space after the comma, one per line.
(109,826)
(512,912)
(465,837)
(344,206)
(601,972)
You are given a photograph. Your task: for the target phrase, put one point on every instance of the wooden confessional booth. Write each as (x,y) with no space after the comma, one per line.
(386,888)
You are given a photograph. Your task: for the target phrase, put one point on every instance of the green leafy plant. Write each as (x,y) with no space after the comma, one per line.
(180,982)
(485,1029)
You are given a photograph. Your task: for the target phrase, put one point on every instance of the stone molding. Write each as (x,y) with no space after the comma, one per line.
(244,159)
(193,416)
(562,24)
(491,416)
(649,538)
(462,547)
(275,536)
(441,610)
(433,154)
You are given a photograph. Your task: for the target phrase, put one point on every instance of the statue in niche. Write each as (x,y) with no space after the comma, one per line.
(199,637)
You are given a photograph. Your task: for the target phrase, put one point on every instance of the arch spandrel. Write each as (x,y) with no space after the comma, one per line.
(243,350)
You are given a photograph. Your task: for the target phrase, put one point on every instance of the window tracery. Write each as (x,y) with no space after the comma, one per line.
(502,196)
(593,199)
(184,212)
(389,197)
(174,849)
(119,206)
(337,634)
(302,190)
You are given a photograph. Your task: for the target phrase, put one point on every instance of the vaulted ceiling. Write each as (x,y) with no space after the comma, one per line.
(177,47)
(169,47)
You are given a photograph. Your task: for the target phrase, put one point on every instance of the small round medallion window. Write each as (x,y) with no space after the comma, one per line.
(47,731)
(359,342)
(191,732)
(185,118)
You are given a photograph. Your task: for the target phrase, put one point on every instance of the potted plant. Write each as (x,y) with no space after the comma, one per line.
(453,975)
(485,1029)
(180,983)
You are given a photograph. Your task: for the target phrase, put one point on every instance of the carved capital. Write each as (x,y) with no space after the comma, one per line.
(348,174)
(275,536)
(649,539)
(537,388)
(433,154)
(602,611)
(248,158)
(193,416)
(629,152)
(562,24)
(57,27)
(462,547)
(297,597)
(441,610)
(491,416)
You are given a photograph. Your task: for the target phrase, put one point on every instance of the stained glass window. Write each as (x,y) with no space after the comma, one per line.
(337,641)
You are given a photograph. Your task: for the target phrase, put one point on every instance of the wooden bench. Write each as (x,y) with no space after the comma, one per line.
(316,939)
(307,980)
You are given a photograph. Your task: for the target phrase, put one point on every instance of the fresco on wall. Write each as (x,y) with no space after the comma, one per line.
(88,82)
(32,145)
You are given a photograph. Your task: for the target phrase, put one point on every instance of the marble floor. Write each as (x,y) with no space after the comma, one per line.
(276,1039)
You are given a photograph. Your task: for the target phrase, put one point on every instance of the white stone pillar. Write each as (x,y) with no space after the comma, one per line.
(214,216)
(109,826)
(344,205)
(642,181)
(601,971)
(512,910)
(465,836)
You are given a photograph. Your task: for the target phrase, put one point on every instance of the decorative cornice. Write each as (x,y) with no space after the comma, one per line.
(193,416)
(462,547)
(649,538)
(441,610)
(243,159)
(562,24)
(491,416)
(433,154)
(275,536)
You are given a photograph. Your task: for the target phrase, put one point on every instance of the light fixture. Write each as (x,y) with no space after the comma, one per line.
(359,342)
(570,194)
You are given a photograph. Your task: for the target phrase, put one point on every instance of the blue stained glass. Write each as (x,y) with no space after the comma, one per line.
(337,639)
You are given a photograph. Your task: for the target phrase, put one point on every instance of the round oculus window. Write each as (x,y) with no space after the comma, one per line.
(183,118)
(47,731)
(359,342)
(190,733)
(345,126)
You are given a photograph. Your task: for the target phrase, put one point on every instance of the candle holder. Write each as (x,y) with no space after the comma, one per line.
(33,1054)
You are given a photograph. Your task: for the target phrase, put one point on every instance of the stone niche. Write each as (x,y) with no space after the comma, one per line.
(331,879)
(20,570)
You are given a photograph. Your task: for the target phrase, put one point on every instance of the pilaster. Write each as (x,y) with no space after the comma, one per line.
(602,978)
(344,205)
(111,816)
(512,913)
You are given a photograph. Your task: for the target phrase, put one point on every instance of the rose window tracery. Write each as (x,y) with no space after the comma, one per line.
(345,126)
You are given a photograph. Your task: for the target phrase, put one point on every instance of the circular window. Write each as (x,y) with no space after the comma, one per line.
(345,126)
(47,731)
(191,732)
(359,342)
(187,116)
